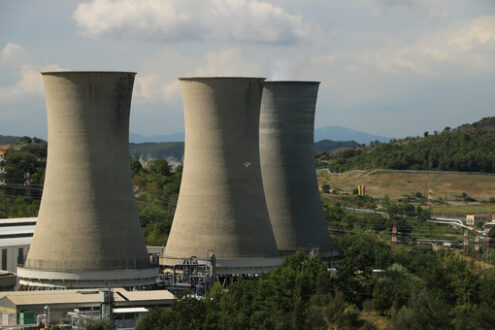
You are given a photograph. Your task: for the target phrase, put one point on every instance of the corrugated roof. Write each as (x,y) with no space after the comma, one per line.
(16,241)
(16,230)
(17,220)
(82,296)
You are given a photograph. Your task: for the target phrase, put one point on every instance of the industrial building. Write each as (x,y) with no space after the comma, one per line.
(88,233)
(288,171)
(221,214)
(474,219)
(15,238)
(60,304)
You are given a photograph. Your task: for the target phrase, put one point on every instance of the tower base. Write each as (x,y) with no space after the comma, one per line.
(239,266)
(34,279)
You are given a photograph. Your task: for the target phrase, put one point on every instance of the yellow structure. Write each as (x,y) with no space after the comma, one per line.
(361,190)
(473,219)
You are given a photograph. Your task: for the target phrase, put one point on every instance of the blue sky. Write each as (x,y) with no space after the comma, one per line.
(389,67)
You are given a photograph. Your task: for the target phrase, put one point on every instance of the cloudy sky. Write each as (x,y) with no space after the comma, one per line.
(389,67)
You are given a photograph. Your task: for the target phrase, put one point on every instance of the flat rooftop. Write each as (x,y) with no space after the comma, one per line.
(122,297)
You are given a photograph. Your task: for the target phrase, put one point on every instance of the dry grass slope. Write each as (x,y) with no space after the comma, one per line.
(395,185)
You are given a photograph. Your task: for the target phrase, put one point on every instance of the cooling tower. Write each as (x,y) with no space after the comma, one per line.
(221,207)
(88,232)
(287,167)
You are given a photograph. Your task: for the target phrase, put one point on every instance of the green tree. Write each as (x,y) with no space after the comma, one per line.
(160,166)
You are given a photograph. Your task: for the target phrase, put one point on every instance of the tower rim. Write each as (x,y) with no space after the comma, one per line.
(84,71)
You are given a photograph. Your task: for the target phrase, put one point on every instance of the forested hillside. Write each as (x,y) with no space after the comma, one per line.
(469,148)
(5,139)
(329,145)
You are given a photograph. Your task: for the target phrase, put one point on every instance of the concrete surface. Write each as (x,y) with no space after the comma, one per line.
(287,167)
(88,218)
(221,204)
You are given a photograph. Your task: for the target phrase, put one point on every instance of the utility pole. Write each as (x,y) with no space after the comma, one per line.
(3,185)
(137,193)
(27,182)
(477,244)
(466,242)
(430,201)
(394,238)
(486,245)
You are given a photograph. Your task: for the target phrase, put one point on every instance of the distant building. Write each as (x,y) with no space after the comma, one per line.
(474,219)
(3,148)
(16,235)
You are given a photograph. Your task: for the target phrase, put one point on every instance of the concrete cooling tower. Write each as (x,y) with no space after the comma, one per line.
(221,207)
(287,167)
(88,232)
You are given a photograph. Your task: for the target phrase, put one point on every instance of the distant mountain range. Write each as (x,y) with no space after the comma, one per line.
(174,151)
(174,137)
(333,133)
(339,133)
(5,139)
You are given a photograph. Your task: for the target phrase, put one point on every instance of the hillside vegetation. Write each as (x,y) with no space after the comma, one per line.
(329,145)
(469,148)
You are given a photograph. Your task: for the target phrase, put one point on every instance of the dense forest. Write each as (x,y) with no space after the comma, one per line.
(469,148)
(414,289)
(159,188)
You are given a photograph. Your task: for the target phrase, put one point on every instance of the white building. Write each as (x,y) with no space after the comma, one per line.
(16,235)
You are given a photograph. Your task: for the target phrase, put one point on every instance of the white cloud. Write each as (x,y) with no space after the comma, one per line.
(158,20)
(432,9)
(26,75)
(227,62)
(13,54)
(154,87)
(466,48)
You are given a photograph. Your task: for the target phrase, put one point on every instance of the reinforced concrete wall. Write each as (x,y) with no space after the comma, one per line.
(221,207)
(88,232)
(287,167)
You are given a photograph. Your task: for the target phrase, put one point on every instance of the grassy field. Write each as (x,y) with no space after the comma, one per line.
(447,188)
(396,185)
(456,210)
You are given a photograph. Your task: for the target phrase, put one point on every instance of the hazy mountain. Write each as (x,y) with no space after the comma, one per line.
(174,151)
(5,139)
(334,133)
(339,133)
(174,137)
(158,150)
